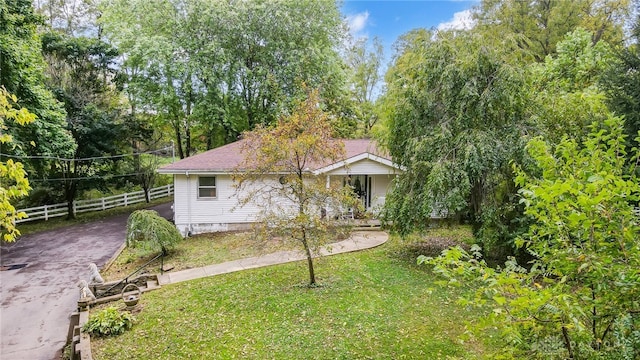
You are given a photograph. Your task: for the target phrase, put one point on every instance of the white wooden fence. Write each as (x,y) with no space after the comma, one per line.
(47,212)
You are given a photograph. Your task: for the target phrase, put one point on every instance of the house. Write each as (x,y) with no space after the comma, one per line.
(205,198)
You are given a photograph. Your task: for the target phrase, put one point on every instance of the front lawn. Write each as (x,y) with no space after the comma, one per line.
(199,250)
(373,304)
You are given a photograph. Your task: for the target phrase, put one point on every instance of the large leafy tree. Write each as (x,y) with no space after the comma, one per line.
(578,298)
(535,27)
(365,61)
(210,70)
(80,70)
(293,200)
(22,74)
(565,93)
(456,122)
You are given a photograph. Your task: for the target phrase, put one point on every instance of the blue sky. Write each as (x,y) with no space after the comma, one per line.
(388,19)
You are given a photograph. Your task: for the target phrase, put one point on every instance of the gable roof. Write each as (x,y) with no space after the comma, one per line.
(227,158)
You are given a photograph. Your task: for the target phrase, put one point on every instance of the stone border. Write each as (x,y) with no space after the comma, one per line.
(80,341)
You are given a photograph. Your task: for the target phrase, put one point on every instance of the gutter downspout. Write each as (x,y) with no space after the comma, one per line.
(188,205)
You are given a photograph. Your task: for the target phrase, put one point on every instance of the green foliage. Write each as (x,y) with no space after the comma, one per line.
(13,178)
(22,74)
(455,122)
(149,232)
(365,63)
(620,83)
(579,296)
(291,202)
(209,70)
(109,322)
(565,96)
(535,27)
(79,71)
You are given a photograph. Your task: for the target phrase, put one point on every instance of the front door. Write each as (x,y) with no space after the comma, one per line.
(361,185)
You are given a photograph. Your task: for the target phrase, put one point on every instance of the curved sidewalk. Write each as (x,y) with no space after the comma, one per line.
(359,240)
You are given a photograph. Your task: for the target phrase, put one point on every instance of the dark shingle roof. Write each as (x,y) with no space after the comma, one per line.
(227,158)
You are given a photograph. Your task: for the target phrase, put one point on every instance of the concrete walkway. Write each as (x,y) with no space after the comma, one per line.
(359,240)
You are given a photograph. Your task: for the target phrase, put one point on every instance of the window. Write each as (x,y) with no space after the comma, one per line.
(207,187)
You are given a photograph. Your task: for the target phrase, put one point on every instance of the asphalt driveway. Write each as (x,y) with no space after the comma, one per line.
(38,298)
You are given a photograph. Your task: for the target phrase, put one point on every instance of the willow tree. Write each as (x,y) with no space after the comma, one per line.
(148,232)
(455,122)
(277,175)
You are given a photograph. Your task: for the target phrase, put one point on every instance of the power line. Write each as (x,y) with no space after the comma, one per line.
(85,177)
(47,157)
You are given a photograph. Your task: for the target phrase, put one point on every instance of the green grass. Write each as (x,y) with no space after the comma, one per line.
(199,250)
(373,304)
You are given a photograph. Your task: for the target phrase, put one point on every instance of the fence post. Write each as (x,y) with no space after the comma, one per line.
(102,203)
(46,213)
(126,199)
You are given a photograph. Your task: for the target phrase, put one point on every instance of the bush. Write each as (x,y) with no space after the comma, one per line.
(109,322)
(149,232)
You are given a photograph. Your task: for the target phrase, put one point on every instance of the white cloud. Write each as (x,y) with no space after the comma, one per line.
(357,22)
(461,21)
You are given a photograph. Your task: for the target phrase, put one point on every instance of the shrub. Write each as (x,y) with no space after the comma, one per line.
(109,322)
(149,232)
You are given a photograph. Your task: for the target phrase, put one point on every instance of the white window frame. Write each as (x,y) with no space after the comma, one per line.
(214,187)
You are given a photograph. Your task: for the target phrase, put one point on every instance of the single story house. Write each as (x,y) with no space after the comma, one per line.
(205,198)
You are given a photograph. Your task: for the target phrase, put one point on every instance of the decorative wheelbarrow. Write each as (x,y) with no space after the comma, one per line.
(131,299)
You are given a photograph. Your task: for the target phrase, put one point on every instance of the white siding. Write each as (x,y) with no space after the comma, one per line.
(193,215)
(380,186)
(203,215)
(364,167)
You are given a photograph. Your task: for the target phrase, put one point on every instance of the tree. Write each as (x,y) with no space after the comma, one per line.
(73,17)
(565,94)
(13,178)
(293,201)
(80,70)
(22,74)
(366,64)
(210,70)
(149,232)
(537,26)
(456,120)
(578,298)
(620,83)
(146,172)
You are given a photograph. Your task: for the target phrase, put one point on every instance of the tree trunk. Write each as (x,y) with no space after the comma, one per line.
(176,128)
(567,341)
(312,275)
(70,194)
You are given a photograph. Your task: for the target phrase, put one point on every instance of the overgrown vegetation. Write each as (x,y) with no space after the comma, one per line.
(109,322)
(579,296)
